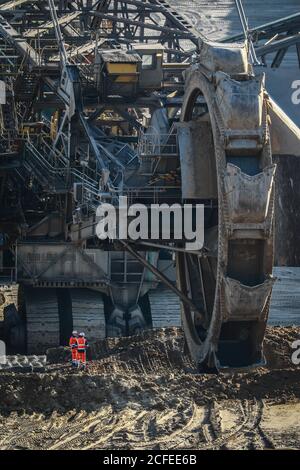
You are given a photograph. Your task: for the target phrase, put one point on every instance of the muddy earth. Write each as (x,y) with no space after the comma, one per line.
(144,393)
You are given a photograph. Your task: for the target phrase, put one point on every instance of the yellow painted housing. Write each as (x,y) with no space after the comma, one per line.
(124,73)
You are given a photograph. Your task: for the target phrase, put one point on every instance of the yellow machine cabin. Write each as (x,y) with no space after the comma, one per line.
(117,73)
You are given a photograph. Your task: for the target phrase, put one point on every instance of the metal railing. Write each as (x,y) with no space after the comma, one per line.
(62,176)
(157,145)
(44,166)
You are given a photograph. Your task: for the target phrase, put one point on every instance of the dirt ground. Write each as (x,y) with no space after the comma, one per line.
(143,393)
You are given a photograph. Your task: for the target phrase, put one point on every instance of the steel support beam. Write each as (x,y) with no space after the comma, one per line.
(162,278)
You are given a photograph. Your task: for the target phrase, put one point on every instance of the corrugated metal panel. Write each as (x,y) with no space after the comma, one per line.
(285,302)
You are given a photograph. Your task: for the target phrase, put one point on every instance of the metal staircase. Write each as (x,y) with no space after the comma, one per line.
(49,176)
(26,86)
(54,174)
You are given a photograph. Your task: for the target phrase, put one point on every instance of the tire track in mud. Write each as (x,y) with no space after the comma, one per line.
(186,425)
(190,421)
(137,429)
(223,440)
(208,428)
(58,428)
(259,439)
(120,429)
(248,434)
(132,427)
(106,420)
(18,437)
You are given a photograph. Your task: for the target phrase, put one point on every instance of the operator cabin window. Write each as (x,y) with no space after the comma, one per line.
(149,61)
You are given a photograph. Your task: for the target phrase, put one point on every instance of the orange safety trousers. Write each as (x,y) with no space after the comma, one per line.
(81,356)
(74,354)
(81,351)
(73,346)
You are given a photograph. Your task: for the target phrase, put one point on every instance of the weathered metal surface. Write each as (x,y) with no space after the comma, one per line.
(42,320)
(137,321)
(59,262)
(245,303)
(240,104)
(116,323)
(248,197)
(88,313)
(228,58)
(198,168)
(165,308)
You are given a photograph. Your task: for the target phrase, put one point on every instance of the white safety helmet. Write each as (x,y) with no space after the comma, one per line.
(82,335)
(74,333)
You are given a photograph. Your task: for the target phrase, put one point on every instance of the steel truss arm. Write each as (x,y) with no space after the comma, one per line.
(186,300)
(268,30)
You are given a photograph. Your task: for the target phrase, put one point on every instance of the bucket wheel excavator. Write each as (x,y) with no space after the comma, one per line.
(99,111)
(233,281)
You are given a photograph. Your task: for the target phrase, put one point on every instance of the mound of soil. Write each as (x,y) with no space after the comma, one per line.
(151,364)
(164,348)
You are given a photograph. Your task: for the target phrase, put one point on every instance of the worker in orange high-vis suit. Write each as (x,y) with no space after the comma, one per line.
(82,344)
(73,346)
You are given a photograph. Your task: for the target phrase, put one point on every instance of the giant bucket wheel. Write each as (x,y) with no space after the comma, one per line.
(232,283)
